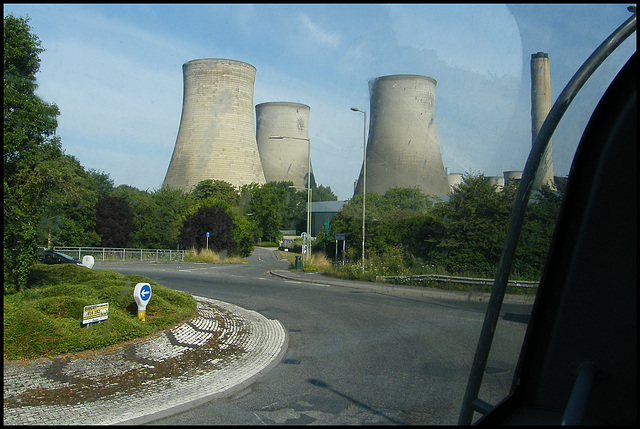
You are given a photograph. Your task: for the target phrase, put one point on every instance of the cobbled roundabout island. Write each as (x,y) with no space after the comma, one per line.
(222,351)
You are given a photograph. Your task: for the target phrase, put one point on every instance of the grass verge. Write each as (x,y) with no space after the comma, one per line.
(211,257)
(45,319)
(317,261)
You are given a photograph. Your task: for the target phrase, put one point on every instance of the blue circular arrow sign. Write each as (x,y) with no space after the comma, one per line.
(145,292)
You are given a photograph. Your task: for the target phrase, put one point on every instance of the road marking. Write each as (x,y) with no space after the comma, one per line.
(301,283)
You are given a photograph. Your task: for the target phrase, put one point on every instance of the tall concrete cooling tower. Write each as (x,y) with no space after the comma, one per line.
(287,158)
(402,149)
(216,139)
(540,106)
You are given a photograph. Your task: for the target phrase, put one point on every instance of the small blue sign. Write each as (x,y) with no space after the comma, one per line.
(145,292)
(207,235)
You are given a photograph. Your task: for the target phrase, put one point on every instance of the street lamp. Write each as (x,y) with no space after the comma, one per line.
(308,189)
(364,176)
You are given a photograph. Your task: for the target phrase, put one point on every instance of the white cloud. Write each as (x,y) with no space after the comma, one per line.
(480,38)
(317,33)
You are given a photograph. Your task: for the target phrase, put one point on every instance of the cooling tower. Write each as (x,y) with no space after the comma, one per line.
(512,175)
(540,106)
(454,179)
(497,181)
(216,139)
(402,149)
(287,158)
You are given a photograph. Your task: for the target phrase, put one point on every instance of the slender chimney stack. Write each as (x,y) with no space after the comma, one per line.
(540,106)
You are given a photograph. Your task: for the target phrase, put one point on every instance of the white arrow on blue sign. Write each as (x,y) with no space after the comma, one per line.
(142,294)
(145,292)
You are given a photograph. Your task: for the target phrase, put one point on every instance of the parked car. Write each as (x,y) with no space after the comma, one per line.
(51,257)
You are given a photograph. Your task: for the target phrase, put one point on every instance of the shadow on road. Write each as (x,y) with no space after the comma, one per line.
(324,385)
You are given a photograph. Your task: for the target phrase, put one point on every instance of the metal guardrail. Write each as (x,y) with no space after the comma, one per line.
(458,280)
(113,254)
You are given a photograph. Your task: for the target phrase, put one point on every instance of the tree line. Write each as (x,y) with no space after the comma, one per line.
(462,234)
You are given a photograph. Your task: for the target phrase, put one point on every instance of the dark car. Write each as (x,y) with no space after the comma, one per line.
(51,257)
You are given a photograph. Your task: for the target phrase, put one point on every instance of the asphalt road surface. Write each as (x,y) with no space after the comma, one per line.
(354,357)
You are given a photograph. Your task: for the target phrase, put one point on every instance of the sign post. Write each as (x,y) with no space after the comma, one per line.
(142,295)
(95,313)
(207,242)
(338,237)
(304,248)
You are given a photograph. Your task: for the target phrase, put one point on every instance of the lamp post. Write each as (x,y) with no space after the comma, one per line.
(308,233)
(364,176)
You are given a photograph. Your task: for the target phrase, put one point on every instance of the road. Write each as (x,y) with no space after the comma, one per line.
(354,356)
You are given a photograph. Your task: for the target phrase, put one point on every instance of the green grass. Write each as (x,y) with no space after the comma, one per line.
(45,319)
(211,257)
(317,261)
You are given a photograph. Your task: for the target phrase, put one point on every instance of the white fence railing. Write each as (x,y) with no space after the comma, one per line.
(115,254)
(458,280)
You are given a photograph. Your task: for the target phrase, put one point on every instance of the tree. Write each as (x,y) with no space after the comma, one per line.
(323,193)
(267,204)
(216,190)
(69,207)
(474,224)
(537,229)
(103,183)
(391,220)
(29,122)
(28,139)
(212,220)
(114,221)
(244,233)
(170,204)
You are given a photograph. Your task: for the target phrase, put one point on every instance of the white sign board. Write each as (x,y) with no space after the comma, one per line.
(95,313)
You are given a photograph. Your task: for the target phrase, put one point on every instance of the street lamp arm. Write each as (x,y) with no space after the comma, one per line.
(288,137)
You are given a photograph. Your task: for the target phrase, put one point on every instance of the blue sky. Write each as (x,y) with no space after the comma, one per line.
(115,72)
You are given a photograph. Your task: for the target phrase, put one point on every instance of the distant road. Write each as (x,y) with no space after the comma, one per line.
(354,357)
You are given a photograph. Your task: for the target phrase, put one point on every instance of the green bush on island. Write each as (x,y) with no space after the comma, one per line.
(45,318)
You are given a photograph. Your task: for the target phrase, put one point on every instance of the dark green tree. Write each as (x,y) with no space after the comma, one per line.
(114,222)
(323,193)
(216,221)
(217,190)
(28,139)
(537,229)
(475,221)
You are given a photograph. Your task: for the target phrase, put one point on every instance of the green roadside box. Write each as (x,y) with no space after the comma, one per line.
(298,263)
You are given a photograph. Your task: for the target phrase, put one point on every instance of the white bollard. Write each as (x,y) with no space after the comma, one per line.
(88,261)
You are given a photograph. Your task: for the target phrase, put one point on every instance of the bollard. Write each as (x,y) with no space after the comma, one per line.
(142,295)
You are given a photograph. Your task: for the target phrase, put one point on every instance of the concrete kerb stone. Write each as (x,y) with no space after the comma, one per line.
(264,343)
(281,334)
